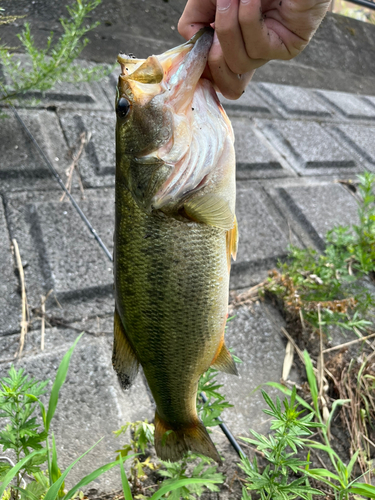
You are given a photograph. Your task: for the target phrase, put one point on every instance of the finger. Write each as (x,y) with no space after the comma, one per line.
(230,36)
(230,84)
(280,31)
(260,42)
(196,15)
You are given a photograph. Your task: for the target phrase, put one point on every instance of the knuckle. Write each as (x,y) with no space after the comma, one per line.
(238,67)
(232,93)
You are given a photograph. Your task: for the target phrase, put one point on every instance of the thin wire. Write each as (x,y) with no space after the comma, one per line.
(54,172)
(62,185)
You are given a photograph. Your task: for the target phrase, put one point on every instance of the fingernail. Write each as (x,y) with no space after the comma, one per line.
(223,4)
(215,39)
(245,1)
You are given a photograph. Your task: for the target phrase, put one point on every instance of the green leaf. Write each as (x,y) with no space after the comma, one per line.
(57,384)
(319,446)
(364,489)
(336,403)
(53,491)
(312,382)
(125,483)
(92,476)
(179,484)
(350,466)
(323,473)
(14,471)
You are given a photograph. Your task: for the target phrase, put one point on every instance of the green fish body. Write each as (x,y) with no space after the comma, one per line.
(173,242)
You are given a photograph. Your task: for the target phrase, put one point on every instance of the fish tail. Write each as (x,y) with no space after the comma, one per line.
(172,444)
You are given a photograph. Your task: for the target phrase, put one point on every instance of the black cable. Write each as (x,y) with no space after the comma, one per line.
(226,431)
(223,427)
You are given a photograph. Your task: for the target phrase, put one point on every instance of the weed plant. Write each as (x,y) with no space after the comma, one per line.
(34,445)
(19,399)
(53,63)
(339,478)
(280,452)
(332,281)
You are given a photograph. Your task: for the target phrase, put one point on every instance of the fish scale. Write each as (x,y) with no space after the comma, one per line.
(169,300)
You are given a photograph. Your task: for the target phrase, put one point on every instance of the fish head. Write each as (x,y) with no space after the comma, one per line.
(161,105)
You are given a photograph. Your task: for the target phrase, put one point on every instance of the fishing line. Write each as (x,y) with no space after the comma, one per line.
(54,172)
(62,185)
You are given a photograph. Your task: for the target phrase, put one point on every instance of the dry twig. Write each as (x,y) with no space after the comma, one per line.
(25,315)
(85,139)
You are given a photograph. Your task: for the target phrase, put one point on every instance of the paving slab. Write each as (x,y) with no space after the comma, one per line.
(261,240)
(369,99)
(316,209)
(254,158)
(10,299)
(91,403)
(361,139)
(62,255)
(309,148)
(349,105)
(254,334)
(97,162)
(251,102)
(22,167)
(294,101)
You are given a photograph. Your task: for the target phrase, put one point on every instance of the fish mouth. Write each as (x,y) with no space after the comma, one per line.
(173,66)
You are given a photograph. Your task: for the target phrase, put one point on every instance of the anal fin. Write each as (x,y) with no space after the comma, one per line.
(124,359)
(223,360)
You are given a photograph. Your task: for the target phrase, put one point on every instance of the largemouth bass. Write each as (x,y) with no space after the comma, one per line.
(175,233)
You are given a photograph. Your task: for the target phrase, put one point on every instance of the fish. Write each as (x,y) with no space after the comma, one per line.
(175,234)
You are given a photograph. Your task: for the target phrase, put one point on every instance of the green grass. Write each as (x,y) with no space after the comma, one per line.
(332,284)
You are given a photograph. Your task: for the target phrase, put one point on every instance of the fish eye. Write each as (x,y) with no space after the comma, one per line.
(123,107)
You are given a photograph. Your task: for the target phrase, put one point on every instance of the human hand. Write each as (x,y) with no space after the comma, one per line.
(249,33)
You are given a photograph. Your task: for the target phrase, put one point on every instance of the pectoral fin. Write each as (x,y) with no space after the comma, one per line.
(124,360)
(210,209)
(224,362)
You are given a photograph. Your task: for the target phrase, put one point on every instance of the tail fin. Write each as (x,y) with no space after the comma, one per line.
(176,443)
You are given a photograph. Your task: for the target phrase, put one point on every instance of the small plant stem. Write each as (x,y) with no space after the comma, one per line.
(49,462)
(340,346)
(24,322)
(18,444)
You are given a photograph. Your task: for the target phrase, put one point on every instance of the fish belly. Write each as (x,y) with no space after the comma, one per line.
(171,295)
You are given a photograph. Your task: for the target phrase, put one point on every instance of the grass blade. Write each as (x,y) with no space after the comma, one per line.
(337,402)
(54,489)
(14,470)
(125,483)
(363,489)
(179,484)
(312,383)
(58,382)
(92,476)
